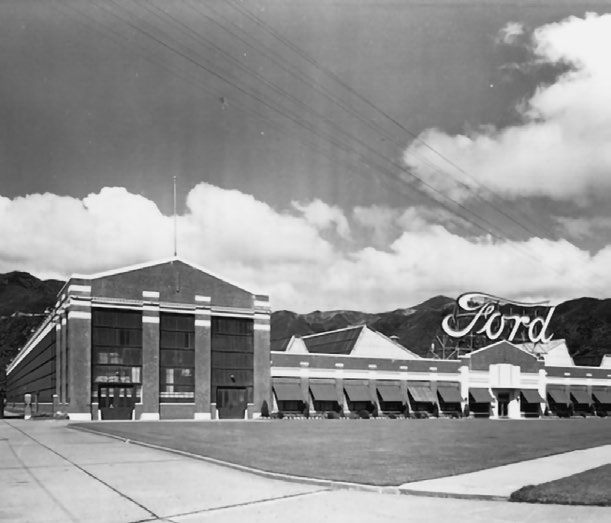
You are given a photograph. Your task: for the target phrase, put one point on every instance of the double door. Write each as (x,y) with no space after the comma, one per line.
(116,400)
(231,402)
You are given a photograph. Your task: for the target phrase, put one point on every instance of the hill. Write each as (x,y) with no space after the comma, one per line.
(585,323)
(23,301)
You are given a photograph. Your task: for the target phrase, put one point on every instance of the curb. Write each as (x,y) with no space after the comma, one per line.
(327,483)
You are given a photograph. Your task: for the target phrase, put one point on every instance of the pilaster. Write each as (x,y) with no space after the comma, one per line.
(150,355)
(203,358)
(261,381)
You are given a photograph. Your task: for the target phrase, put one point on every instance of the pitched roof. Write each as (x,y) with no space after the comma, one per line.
(280,344)
(339,341)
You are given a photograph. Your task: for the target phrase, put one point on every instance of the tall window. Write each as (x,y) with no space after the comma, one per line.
(176,358)
(116,348)
(232,354)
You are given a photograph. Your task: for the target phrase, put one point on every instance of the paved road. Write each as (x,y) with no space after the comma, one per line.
(51,473)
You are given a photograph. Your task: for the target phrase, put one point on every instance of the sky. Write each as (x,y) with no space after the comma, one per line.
(332,154)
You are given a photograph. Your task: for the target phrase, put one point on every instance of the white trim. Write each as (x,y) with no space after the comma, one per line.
(30,344)
(79,315)
(153,263)
(262,316)
(179,309)
(202,312)
(264,304)
(200,298)
(150,308)
(150,319)
(150,294)
(149,416)
(203,323)
(202,416)
(264,327)
(79,288)
(232,312)
(79,416)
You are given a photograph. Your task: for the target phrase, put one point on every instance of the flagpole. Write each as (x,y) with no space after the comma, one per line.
(175,242)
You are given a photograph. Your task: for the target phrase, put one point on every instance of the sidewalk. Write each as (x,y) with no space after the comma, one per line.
(500,482)
(50,473)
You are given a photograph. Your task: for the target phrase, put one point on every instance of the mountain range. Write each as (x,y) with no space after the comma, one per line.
(585,323)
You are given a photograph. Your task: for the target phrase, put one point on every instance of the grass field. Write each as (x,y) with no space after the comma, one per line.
(592,487)
(379,452)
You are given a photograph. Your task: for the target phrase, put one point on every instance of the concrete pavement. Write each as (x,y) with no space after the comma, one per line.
(51,473)
(502,481)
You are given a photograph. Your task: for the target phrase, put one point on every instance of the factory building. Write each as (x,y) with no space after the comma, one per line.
(171,340)
(161,340)
(355,369)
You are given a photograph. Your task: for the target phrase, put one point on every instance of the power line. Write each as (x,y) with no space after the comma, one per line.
(306,125)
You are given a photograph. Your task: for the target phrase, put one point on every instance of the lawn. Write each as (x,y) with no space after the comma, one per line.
(379,452)
(592,487)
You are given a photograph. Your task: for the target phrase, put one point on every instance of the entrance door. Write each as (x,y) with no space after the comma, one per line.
(116,400)
(231,402)
(503,400)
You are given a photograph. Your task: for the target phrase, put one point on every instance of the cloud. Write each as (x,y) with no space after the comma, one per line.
(284,252)
(324,217)
(560,150)
(582,228)
(511,33)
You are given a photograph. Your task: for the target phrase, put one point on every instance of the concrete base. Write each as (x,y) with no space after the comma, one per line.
(202,416)
(149,416)
(79,416)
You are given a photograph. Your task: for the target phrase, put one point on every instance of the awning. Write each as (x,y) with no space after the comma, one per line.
(421,392)
(390,392)
(449,392)
(288,391)
(357,391)
(532,396)
(323,391)
(559,395)
(581,396)
(480,395)
(602,395)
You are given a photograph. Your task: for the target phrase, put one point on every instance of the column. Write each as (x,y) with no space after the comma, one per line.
(262,368)
(203,358)
(150,355)
(464,387)
(58,357)
(63,392)
(78,356)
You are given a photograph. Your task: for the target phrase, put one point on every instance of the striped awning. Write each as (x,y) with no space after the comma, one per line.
(390,392)
(323,391)
(421,392)
(532,396)
(480,395)
(581,396)
(449,392)
(559,395)
(602,395)
(288,390)
(357,391)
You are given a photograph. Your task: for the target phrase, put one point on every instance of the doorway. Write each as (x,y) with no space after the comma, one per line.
(231,402)
(503,404)
(116,400)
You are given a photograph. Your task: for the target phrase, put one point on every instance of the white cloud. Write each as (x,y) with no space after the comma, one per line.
(561,148)
(510,33)
(324,216)
(284,254)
